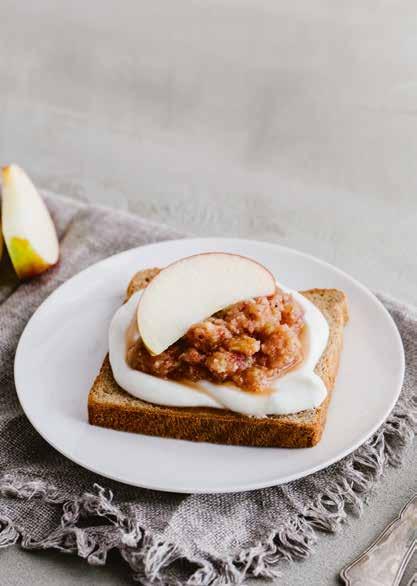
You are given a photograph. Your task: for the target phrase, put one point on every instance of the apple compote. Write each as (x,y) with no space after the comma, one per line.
(247,344)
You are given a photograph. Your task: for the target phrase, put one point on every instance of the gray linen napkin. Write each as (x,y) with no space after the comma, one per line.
(46,501)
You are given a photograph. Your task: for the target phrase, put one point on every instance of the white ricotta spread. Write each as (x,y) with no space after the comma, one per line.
(296,391)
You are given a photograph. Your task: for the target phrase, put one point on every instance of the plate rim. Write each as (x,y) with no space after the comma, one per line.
(220,489)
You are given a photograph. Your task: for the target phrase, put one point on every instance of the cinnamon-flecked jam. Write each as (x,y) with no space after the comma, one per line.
(248,344)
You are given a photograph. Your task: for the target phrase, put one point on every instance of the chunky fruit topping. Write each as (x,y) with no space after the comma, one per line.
(247,344)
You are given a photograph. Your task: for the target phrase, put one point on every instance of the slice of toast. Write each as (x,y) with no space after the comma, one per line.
(110,406)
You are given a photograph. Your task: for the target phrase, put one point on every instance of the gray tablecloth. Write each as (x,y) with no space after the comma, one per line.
(48,502)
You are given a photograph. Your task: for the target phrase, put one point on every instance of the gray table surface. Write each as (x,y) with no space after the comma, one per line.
(293,122)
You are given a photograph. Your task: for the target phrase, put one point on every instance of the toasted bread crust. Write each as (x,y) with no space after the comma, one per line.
(140,280)
(109,406)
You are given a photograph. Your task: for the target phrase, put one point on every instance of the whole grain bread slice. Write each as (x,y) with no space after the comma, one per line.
(110,406)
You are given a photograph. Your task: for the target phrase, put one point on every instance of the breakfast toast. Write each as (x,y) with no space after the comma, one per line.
(110,406)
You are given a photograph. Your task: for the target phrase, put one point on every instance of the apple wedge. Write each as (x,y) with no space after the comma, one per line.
(192,289)
(1,242)
(28,230)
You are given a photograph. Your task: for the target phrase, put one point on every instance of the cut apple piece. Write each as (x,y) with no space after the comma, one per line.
(29,232)
(1,242)
(192,289)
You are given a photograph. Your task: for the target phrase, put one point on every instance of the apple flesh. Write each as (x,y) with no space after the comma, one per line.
(1,242)
(192,289)
(28,230)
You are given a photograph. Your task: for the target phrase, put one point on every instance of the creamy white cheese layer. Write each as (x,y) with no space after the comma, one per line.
(296,391)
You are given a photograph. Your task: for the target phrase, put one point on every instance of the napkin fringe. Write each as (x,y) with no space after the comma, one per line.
(150,556)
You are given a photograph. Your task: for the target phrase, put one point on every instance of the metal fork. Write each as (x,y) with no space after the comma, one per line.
(385,560)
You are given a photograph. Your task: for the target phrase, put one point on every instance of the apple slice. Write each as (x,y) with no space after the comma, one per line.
(1,242)
(192,289)
(29,232)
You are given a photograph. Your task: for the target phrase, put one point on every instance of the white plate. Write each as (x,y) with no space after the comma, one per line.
(64,343)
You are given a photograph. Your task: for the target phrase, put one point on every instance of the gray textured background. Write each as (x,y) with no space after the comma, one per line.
(289,121)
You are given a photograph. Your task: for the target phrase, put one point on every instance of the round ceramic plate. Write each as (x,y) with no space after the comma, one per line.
(63,345)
